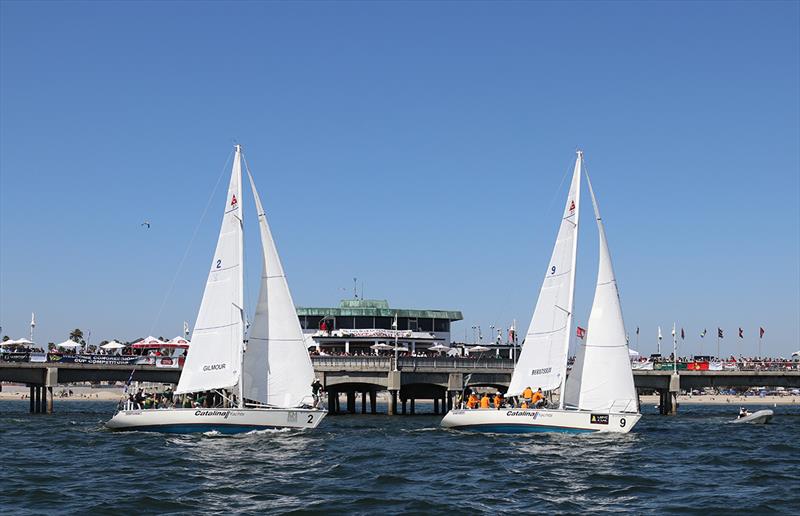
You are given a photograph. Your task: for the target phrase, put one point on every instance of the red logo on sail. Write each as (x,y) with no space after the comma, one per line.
(580,333)
(572,206)
(234,202)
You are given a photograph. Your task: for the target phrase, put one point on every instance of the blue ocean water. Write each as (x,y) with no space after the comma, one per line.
(693,463)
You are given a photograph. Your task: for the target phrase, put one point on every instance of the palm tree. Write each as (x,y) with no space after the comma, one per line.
(77,336)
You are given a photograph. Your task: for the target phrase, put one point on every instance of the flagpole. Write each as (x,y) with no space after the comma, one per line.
(674,350)
(717,342)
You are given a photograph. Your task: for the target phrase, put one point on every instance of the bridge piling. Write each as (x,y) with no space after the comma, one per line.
(372,407)
(30,397)
(392,402)
(364,402)
(435,405)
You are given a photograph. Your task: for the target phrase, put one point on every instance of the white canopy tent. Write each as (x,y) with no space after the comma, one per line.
(381,347)
(69,344)
(112,345)
(632,353)
(477,349)
(439,347)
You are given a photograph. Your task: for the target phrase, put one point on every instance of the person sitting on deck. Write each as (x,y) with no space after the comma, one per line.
(743,412)
(538,398)
(498,400)
(485,401)
(527,394)
(524,404)
(472,401)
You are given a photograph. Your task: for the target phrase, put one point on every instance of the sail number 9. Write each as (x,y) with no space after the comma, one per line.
(622,422)
(553,269)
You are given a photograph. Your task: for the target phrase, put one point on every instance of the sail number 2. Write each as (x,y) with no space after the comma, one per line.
(219,264)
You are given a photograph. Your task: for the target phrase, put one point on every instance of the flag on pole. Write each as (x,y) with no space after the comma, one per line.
(637,330)
(673,330)
(186,328)
(719,333)
(580,332)
(741,333)
(703,334)
(512,334)
(394,323)
(683,335)
(659,333)
(761,333)
(33,319)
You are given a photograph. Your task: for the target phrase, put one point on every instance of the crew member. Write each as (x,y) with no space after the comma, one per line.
(498,400)
(537,400)
(472,401)
(527,394)
(316,386)
(485,401)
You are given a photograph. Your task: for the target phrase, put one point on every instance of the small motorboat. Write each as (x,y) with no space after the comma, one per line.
(760,417)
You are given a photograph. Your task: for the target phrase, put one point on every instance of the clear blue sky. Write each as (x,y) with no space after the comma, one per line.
(417,146)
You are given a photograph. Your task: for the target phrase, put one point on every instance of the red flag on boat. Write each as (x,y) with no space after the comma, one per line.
(580,332)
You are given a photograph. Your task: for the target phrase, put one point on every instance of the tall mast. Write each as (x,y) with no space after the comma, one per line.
(238,161)
(578,167)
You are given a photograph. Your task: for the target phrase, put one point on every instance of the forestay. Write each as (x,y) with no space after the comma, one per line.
(277,368)
(601,378)
(543,361)
(214,358)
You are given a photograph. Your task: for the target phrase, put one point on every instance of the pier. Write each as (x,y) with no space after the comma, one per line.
(408,380)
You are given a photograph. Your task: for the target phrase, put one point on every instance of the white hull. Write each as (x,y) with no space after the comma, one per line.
(514,420)
(223,420)
(760,417)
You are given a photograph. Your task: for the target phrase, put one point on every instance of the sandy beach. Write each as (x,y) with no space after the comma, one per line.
(709,399)
(80,393)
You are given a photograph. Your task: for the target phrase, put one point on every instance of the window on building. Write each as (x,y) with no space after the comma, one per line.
(363,322)
(425,324)
(412,324)
(384,323)
(311,322)
(441,325)
(344,321)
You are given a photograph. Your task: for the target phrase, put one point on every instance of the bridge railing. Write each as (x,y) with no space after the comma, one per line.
(410,363)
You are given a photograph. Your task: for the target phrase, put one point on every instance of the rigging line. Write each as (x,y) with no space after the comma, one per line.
(557,191)
(189,246)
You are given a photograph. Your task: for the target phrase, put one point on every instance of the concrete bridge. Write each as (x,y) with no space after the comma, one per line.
(413,378)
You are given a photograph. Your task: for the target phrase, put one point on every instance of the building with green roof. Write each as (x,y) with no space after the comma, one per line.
(371,321)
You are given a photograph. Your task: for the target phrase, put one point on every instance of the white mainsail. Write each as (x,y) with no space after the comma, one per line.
(601,378)
(214,359)
(543,361)
(277,368)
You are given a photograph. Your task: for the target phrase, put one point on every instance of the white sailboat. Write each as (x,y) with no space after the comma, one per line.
(599,394)
(264,380)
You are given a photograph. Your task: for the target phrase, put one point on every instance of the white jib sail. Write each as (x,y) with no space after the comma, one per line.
(214,357)
(601,378)
(277,368)
(543,361)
